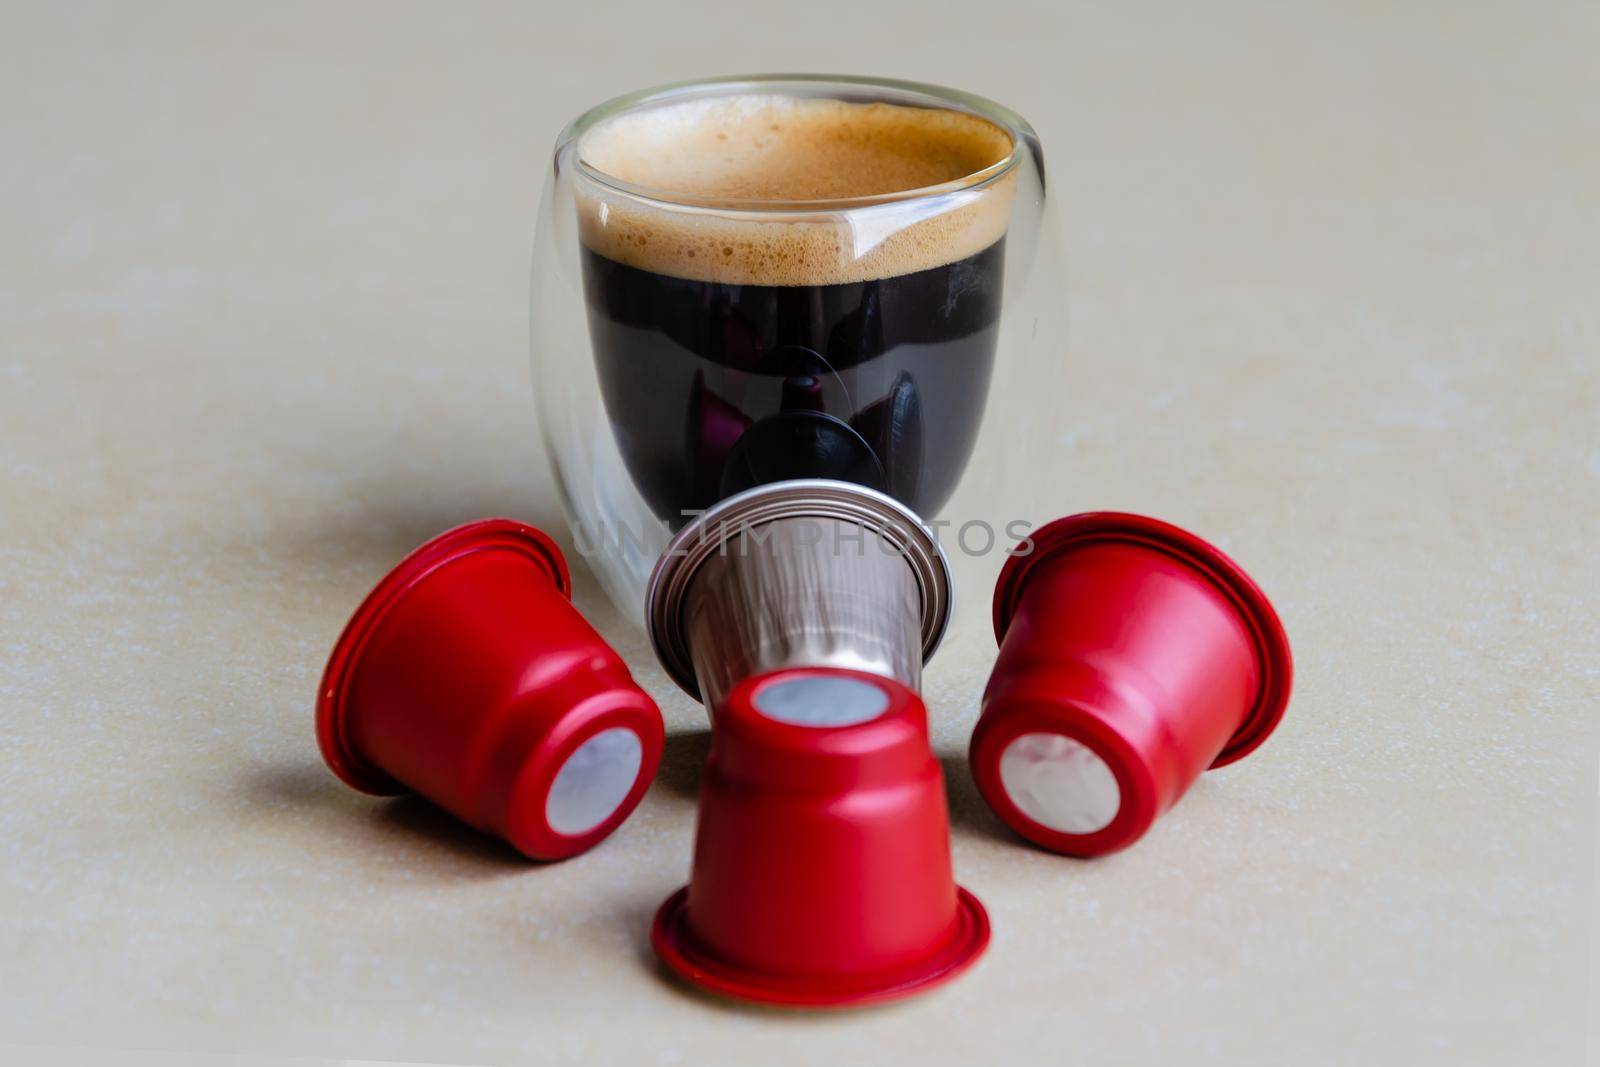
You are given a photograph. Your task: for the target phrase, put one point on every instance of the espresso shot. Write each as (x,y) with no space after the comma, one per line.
(813,331)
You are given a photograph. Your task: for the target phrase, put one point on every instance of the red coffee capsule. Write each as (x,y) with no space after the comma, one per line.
(467,676)
(1133,656)
(822,857)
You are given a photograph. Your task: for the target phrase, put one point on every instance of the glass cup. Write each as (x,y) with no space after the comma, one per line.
(750,280)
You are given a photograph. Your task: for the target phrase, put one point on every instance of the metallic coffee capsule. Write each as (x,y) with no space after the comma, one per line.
(807,572)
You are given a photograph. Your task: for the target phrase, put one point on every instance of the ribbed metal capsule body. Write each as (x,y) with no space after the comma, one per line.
(798,573)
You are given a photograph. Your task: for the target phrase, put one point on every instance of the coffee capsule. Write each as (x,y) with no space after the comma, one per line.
(800,444)
(468,677)
(1133,656)
(715,427)
(798,573)
(894,427)
(822,854)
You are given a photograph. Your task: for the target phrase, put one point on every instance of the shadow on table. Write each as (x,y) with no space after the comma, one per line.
(380,827)
(683,757)
(969,814)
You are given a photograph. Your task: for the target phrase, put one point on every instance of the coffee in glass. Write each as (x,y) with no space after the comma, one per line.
(734,353)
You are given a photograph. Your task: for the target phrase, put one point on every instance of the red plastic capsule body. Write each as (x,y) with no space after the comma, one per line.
(468,677)
(1133,656)
(822,871)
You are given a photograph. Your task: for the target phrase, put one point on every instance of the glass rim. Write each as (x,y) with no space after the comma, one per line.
(915,93)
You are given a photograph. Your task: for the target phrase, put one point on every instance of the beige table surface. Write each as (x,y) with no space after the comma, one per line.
(263,320)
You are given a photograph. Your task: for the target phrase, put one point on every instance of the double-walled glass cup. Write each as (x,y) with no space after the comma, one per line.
(751,280)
